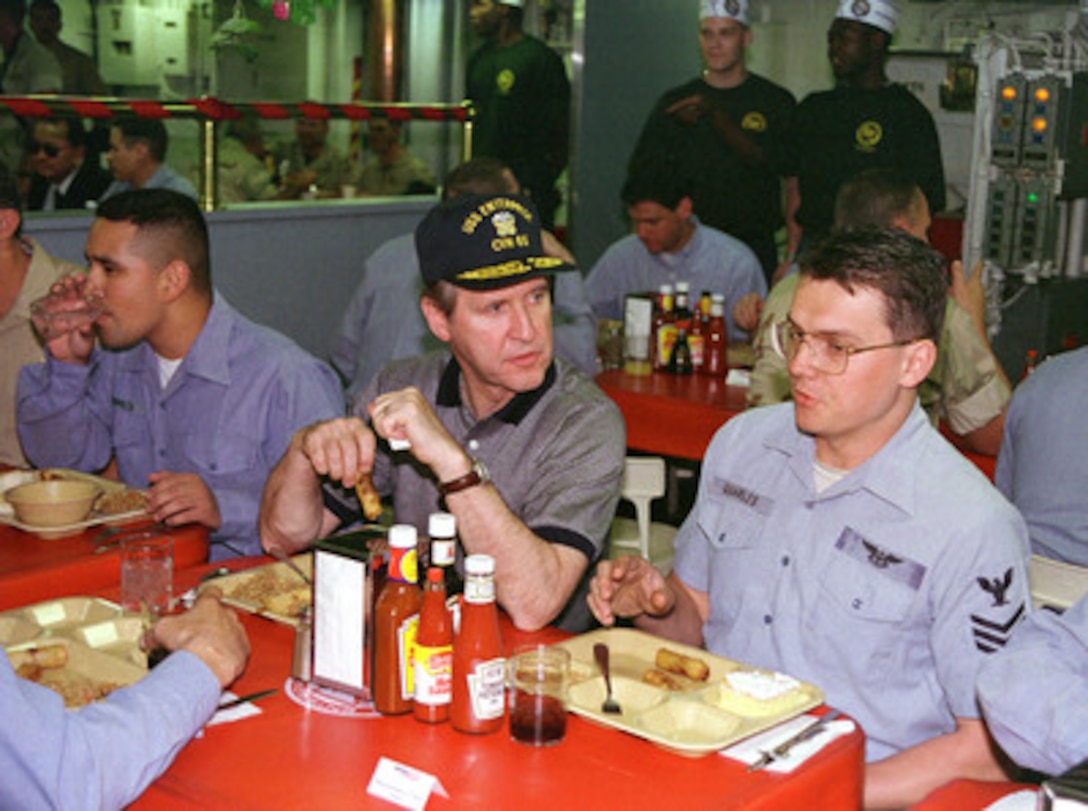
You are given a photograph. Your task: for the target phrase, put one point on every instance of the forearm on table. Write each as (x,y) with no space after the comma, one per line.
(534,578)
(904,779)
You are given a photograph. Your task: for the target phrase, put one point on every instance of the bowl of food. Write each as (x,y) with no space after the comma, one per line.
(53,503)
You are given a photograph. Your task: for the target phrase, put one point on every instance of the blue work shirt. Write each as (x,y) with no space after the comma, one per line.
(1043,463)
(227,414)
(105,754)
(711,260)
(1034,694)
(887,590)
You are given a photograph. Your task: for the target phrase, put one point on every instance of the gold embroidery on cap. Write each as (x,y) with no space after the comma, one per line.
(515,267)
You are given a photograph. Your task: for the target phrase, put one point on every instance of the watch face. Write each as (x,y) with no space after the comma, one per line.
(481,470)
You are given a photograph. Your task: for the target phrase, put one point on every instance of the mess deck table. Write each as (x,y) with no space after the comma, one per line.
(678,415)
(291,757)
(33,568)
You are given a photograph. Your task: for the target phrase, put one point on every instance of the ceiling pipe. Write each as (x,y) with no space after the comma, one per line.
(385,45)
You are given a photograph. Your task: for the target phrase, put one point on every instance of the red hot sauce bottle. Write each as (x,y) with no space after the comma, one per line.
(479,669)
(396,617)
(433,659)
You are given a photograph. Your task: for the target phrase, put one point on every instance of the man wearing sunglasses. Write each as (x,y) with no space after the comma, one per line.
(840,538)
(63,176)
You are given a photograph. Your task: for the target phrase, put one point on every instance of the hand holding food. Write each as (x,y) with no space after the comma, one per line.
(369,499)
(338,448)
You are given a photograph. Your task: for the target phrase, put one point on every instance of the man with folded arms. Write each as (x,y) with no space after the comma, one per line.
(105,754)
(191,399)
(523,449)
(840,539)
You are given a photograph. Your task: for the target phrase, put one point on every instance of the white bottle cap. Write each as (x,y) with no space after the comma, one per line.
(665,289)
(480,565)
(442,525)
(682,287)
(402,536)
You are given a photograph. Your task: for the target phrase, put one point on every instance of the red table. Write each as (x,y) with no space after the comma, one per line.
(33,569)
(672,415)
(677,415)
(968,795)
(289,757)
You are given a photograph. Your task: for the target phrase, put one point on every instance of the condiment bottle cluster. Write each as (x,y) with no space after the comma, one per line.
(685,341)
(420,664)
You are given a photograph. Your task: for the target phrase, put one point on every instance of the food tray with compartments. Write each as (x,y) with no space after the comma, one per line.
(274,591)
(688,719)
(102,643)
(14,478)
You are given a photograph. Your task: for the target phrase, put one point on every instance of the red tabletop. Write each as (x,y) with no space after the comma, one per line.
(678,415)
(289,757)
(672,415)
(33,569)
(968,795)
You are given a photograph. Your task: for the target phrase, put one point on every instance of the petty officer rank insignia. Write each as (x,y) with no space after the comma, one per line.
(990,633)
(867,136)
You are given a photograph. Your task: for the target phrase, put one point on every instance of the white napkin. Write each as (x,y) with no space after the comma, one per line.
(1017,801)
(750,750)
(235,713)
(737,377)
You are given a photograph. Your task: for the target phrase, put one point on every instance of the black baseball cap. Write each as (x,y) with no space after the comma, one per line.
(483,242)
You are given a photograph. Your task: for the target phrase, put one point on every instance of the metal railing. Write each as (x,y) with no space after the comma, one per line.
(209,112)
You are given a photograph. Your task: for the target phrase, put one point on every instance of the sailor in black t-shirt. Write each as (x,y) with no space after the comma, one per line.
(866,122)
(521,93)
(722,129)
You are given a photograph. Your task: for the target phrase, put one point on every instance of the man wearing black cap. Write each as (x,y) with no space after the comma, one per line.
(523,449)
(865,122)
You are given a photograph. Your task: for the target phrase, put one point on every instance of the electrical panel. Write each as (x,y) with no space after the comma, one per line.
(1038,155)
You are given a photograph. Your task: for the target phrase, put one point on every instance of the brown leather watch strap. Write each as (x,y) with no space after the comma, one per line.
(470,479)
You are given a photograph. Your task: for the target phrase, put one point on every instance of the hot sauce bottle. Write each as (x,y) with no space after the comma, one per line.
(433,659)
(715,354)
(396,616)
(479,669)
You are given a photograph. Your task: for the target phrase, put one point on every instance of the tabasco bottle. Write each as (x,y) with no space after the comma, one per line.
(663,330)
(715,358)
(479,669)
(433,658)
(396,617)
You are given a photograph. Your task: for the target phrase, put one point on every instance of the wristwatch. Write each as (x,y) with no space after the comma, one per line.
(478,475)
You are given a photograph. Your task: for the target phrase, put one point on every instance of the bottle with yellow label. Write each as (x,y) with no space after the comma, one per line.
(396,618)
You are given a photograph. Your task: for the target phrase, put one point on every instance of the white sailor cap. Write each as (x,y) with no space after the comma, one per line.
(881,14)
(736,9)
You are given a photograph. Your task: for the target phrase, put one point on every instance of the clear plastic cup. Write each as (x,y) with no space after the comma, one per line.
(56,315)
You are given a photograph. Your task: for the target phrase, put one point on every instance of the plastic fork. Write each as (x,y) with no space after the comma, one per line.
(610,705)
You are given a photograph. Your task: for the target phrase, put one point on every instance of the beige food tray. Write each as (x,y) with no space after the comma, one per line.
(103,642)
(86,671)
(266,590)
(13,478)
(689,721)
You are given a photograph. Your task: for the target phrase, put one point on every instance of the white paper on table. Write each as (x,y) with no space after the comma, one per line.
(403,785)
(1017,801)
(236,713)
(750,750)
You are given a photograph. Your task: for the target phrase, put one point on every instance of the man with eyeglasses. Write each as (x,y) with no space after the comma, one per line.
(966,388)
(840,539)
(63,176)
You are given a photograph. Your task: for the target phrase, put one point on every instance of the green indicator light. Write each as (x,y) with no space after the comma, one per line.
(1033,198)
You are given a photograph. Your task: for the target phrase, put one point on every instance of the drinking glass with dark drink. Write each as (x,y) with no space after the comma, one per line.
(539,675)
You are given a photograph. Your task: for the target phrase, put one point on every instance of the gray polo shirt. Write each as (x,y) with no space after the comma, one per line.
(555,455)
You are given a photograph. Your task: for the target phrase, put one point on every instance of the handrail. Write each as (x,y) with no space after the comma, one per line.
(211,111)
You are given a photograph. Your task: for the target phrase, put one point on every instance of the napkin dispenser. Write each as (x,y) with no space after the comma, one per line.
(343,611)
(1066,791)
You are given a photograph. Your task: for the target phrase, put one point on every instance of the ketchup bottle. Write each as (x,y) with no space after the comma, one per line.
(433,659)
(396,616)
(715,357)
(479,669)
